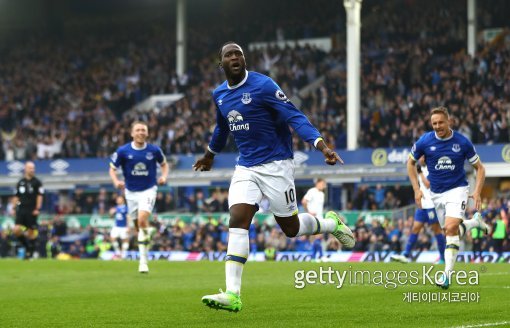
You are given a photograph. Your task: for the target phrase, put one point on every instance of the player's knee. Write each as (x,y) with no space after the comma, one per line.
(239,221)
(451,228)
(436,228)
(416,228)
(241,216)
(290,231)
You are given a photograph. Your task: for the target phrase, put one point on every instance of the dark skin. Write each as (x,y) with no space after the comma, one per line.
(233,64)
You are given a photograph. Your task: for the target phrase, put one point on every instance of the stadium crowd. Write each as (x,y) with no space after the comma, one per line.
(69,99)
(72,98)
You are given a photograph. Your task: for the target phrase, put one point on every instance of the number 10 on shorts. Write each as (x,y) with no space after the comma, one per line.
(290,196)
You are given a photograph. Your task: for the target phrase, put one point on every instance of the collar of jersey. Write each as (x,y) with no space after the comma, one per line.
(136,148)
(240,83)
(435,134)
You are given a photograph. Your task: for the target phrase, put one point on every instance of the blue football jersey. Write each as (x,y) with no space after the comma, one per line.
(445,159)
(139,166)
(121,212)
(258,114)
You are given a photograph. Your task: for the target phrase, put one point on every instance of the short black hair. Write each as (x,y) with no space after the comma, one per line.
(223,46)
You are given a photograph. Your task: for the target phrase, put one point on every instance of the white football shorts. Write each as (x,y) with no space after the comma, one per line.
(119,232)
(274,180)
(451,203)
(141,200)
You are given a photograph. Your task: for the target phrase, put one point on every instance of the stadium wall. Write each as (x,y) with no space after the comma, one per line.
(360,164)
(334,257)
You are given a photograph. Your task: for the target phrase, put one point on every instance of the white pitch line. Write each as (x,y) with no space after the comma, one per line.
(485,324)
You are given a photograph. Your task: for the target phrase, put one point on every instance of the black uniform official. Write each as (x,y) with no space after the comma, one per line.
(29,194)
(27,191)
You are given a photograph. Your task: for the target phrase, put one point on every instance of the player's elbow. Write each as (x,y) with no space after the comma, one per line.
(480,168)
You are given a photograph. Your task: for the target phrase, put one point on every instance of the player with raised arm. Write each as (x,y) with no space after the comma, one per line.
(445,152)
(138,161)
(425,214)
(120,229)
(257,112)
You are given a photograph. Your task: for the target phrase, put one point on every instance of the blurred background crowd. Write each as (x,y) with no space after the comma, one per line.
(70,94)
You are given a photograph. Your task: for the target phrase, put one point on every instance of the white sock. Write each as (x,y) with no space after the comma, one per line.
(450,253)
(143,242)
(470,224)
(116,247)
(237,254)
(125,246)
(310,225)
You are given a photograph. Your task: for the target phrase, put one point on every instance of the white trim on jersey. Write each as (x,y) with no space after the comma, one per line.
(212,151)
(240,83)
(136,148)
(444,139)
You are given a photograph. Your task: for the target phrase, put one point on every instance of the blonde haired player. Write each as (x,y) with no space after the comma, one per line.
(445,152)
(139,161)
(425,214)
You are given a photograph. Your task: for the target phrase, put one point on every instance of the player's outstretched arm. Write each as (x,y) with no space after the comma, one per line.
(413,177)
(480,180)
(204,163)
(116,182)
(331,157)
(164,173)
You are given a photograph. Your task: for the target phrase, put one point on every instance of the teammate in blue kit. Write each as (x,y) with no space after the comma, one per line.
(121,228)
(445,151)
(255,110)
(426,214)
(138,161)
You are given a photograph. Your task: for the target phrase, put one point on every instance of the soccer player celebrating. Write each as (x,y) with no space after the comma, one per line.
(28,200)
(121,227)
(138,160)
(425,214)
(445,151)
(255,110)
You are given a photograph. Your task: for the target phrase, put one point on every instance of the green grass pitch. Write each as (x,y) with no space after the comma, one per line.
(47,293)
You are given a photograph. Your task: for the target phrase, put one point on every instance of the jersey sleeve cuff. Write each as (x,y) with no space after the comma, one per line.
(412,157)
(113,166)
(212,151)
(316,142)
